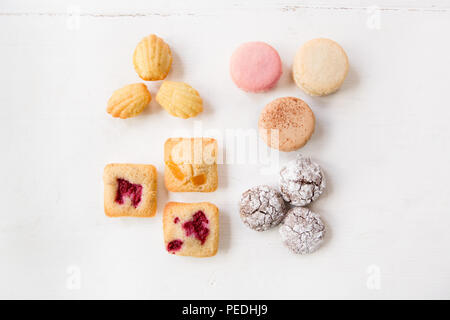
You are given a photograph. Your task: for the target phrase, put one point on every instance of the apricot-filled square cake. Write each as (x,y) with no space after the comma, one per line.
(190,164)
(130,190)
(191,229)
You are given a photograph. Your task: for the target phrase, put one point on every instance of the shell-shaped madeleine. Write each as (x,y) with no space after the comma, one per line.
(179,99)
(152,58)
(129,101)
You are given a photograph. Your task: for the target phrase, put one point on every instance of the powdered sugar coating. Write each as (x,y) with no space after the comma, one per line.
(301,181)
(262,208)
(302,230)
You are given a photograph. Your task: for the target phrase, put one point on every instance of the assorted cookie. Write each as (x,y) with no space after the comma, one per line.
(263,207)
(152,60)
(255,67)
(129,190)
(190,164)
(286,124)
(191,229)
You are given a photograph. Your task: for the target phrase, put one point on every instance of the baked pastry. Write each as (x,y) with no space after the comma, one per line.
(130,190)
(179,99)
(301,181)
(255,67)
(190,164)
(286,123)
(129,101)
(152,58)
(302,230)
(320,67)
(262,208)
(191,229)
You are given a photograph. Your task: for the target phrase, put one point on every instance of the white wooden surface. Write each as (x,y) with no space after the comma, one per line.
(382,140)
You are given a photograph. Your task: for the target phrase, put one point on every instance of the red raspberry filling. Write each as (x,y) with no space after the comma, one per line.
(197,226)
(176,220)
(130,190)
(174,245)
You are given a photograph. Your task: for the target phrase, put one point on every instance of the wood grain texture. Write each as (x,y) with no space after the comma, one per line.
(382,141)
(137,8)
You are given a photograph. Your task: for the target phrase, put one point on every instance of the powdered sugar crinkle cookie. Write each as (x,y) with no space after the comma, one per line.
(301,181)
(262,208)
(302,230)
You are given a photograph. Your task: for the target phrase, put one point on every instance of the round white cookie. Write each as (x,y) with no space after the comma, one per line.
(320,67)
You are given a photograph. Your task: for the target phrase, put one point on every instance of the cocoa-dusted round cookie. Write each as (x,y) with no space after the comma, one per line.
(301,181)
(302,230)
(286,123)
(262,208)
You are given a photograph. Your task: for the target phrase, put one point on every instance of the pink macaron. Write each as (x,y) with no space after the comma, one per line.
(255,67)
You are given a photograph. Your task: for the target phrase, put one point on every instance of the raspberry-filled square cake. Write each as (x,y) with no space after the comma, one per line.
(130,190)
(190,164)
(191,229)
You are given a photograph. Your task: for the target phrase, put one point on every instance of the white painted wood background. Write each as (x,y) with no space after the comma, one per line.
(383,141)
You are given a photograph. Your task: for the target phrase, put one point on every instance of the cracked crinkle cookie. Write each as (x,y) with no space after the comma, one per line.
(262,208)
(301,181)
(302,230)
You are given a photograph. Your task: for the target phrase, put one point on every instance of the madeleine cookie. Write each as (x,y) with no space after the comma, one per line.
(320,67)
(191,229)
(190,164)
(152,58)
(255,67)
(286,124)
(179,99)
(129,101)
(130,190)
